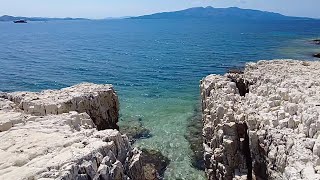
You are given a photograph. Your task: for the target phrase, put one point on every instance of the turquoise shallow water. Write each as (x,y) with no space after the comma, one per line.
(155,65)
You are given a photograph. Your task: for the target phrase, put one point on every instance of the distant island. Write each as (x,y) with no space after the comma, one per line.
(15,18)
(232,13)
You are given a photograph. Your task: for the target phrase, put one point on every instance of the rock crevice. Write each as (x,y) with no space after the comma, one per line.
(263,124)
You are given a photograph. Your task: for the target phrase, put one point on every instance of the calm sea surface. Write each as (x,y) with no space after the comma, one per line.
(155,65)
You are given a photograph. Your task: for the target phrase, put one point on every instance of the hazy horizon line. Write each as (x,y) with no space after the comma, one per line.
(124,17)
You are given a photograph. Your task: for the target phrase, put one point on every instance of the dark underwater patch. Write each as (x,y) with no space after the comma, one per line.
(195,139)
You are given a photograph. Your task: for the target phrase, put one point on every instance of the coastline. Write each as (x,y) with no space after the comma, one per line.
(271,132)
(164,90)
(70,134)
(262,123)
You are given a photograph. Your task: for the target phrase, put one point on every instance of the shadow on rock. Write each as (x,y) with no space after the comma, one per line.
(154,164)
(134,130)
(194,137)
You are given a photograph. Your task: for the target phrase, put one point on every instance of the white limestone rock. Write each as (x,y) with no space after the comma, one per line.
(38,142)
(281,111)
(52,146)
(100,102)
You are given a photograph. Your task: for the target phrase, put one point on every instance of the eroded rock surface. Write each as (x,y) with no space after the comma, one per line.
(266,129)
(54,135)
(100,102)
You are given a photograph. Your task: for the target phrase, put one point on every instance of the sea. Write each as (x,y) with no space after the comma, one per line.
(155,65)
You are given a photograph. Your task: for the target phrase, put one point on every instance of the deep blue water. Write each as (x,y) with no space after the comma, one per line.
(155,65)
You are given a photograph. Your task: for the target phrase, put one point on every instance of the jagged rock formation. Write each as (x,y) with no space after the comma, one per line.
(53,135)
(100,102)
(263,124)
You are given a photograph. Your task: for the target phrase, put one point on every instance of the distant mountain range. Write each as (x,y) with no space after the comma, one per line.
(13,18)
(232,13)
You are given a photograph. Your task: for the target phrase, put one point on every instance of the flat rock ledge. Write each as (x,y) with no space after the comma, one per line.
(100,102)
(264,123)
(55,134)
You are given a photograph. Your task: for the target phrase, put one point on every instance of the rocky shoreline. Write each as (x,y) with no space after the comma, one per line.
(68,134)
(264,123)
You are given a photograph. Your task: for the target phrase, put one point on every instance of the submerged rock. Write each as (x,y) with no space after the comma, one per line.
(194,137)
(134,130)
(271,131)
(154,164)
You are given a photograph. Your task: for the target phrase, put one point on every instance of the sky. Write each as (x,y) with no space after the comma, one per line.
(97,9)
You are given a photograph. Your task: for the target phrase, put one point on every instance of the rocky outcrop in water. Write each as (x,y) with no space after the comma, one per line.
(54,135)
(317,55)
(263,124)
(316,41)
